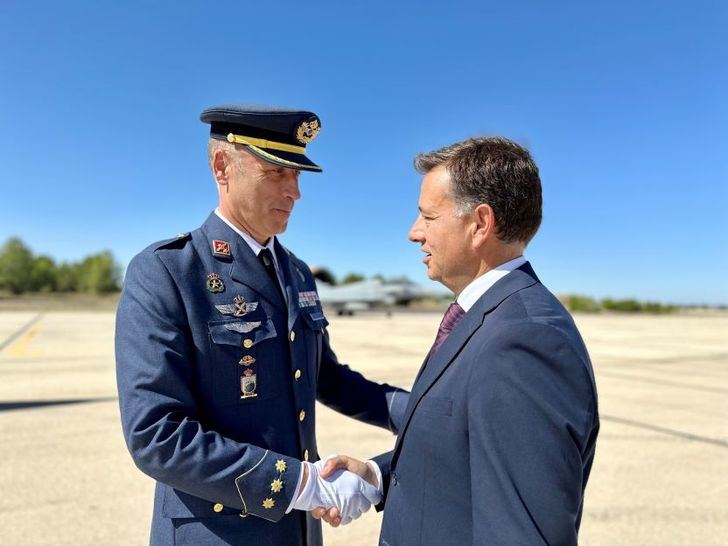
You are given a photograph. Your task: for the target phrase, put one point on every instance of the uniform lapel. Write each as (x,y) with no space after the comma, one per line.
(451,347)
(290,276)
(245,267)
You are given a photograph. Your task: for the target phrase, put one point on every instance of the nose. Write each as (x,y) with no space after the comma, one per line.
(291,189)
(417,233)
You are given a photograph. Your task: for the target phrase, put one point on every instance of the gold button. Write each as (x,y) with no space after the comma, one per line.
(218,507)
(247,343)
(305,454)
(297,375)
(302,415)
(293,336)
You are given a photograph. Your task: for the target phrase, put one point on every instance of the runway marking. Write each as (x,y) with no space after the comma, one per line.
(661,382)
(664,430)
(21,331)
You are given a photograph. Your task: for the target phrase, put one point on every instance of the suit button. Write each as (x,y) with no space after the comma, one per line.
(297,375)
(218,507)
(305,454)
(293,336)
(302,415)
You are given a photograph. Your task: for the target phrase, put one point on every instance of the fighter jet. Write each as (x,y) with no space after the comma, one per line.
(359,296)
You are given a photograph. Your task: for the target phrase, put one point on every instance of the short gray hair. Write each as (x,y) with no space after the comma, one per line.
(494,171)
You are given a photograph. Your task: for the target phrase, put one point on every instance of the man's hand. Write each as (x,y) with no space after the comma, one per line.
(341,490)
(337,463)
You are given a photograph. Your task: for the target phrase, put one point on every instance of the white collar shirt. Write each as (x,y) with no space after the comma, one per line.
(480,285)
(256,247)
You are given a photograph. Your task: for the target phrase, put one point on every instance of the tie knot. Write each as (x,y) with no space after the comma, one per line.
(451,318)
(266,257)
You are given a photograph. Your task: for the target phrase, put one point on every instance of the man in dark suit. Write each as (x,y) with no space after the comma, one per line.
(498,436)
(222,352)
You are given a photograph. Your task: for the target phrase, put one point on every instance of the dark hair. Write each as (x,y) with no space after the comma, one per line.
(495,171)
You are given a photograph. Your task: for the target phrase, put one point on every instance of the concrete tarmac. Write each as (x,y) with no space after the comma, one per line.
(659,475)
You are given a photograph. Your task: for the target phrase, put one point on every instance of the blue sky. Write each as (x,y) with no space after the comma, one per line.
(623,106)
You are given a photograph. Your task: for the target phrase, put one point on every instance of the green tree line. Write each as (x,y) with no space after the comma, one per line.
(590,305)
(21,271)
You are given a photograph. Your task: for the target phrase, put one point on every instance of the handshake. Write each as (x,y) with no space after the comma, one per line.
(338,489)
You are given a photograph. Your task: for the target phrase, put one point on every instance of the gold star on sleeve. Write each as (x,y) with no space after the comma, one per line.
(281,465)
(276,486)
(269,503)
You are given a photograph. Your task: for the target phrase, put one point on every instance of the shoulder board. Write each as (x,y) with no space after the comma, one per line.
(177,242)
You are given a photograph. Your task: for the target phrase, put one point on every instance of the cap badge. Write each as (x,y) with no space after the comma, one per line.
(307,131)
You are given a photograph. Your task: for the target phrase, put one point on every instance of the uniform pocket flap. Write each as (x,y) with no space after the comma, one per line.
(315,320)
(236,331)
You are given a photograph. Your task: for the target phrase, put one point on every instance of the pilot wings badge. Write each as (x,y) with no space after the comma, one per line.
(238,308)
(242,327)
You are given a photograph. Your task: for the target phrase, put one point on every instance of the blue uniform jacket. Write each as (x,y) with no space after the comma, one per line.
(218,380)
(499,433)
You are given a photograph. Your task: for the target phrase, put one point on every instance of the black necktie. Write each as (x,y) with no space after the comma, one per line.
(266,258)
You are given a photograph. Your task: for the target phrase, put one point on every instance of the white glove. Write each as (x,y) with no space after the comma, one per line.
(348,492)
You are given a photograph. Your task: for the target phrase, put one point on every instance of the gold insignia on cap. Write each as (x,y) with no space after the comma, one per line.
(276,486)
(308,130)
(269,503)
(281,465)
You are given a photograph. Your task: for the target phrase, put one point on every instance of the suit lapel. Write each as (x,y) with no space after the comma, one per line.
(433,368)
(245,267)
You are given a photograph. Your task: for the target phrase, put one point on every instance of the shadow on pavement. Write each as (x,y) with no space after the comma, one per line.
(31,404)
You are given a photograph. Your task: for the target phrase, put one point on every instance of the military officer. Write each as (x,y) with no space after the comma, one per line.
(222,351)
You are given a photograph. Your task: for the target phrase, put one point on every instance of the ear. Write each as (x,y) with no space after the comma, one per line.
(484,223)
(220,167)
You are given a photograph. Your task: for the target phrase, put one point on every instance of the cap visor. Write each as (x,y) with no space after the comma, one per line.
(285,159)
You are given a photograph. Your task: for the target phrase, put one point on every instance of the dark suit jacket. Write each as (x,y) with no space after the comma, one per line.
(227,466)
(498,436)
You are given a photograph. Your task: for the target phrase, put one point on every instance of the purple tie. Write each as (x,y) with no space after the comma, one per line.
(452,316)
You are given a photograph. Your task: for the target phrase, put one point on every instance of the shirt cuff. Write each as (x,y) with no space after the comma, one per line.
(378,472)
(295,491)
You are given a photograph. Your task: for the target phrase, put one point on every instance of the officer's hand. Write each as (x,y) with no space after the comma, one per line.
(342,491)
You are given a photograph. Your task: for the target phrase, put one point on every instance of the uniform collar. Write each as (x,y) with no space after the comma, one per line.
(254,245)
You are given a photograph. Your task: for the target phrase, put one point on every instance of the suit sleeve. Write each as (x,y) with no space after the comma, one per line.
(531,410)
(384,462)
(159,411)
(350,393)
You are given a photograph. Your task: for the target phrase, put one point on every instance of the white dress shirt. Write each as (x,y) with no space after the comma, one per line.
(256,247)
(480,285)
